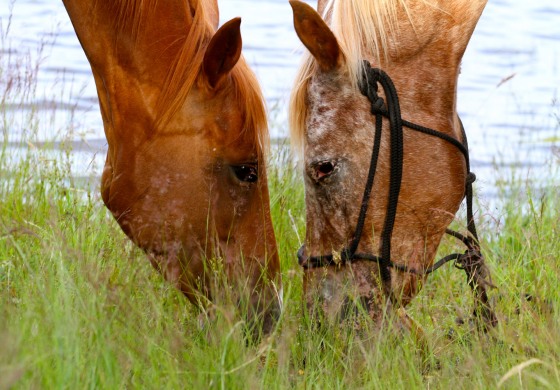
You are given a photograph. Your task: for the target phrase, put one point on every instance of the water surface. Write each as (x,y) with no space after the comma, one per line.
(508,87)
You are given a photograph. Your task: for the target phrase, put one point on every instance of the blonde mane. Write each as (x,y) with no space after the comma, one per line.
(362,29)
(185,69)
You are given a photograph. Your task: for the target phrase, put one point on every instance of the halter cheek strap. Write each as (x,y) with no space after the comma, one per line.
(471,261)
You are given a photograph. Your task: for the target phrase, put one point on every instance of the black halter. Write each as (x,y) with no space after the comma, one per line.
(471,261)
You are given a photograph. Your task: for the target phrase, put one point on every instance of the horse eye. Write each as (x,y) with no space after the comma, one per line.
(323,169)
(246,173)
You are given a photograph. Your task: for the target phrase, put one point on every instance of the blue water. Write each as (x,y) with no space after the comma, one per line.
(507,93)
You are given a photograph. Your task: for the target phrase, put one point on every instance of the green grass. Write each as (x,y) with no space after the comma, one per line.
(81,307)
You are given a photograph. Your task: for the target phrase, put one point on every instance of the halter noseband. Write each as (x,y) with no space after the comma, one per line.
(471,260)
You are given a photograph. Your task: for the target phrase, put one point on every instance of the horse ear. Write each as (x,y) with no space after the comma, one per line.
(222,52)
(316,35)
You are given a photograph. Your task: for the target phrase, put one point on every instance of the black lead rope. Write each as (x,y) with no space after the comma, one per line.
(471,261)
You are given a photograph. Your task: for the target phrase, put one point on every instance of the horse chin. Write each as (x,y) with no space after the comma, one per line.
(245,288)
(256,301)
(340,294)
(264,304)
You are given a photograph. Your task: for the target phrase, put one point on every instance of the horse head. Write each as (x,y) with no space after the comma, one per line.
(185,173)
(419,44)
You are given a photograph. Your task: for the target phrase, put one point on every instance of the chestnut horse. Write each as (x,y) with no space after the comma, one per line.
(187,133)
(354,249)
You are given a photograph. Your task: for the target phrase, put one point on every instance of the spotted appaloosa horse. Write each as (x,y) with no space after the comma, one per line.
(186,127)
(419,44)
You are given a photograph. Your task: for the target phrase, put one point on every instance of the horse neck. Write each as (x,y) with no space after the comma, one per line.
(423,57)
(427,91)
(106,30)
(424,63)
(130,45)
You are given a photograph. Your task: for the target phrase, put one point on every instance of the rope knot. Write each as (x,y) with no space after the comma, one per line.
(472,262)
(370,88)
